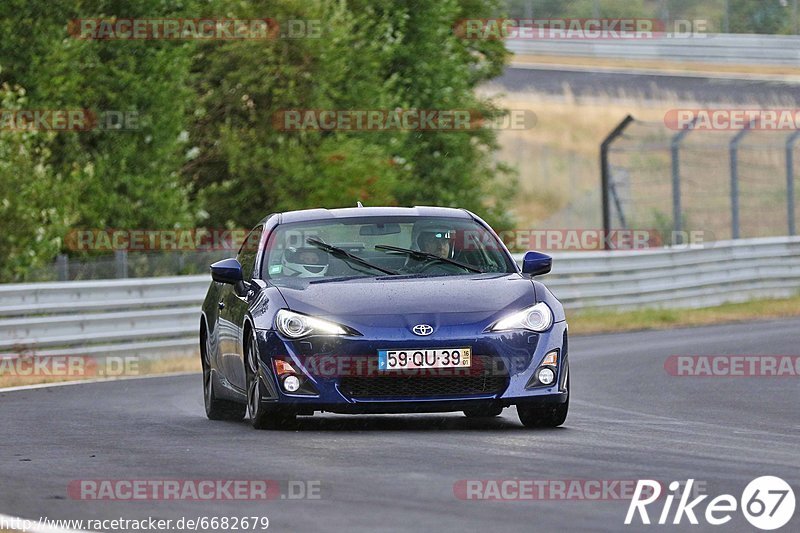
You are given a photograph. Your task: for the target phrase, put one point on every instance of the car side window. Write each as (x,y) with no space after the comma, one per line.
(248,251)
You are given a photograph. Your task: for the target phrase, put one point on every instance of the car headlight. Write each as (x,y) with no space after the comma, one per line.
(537,318)
(294,325)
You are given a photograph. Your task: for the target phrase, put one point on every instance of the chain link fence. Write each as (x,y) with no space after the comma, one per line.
(725,184)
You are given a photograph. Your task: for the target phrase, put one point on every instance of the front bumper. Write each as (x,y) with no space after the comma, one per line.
(341,372)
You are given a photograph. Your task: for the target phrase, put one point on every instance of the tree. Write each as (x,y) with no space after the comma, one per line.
(762,16)
(124,178)
(204,149)
(33,198)
(371,55)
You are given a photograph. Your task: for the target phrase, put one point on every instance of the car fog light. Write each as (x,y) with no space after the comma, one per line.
(291,383)
(546,376)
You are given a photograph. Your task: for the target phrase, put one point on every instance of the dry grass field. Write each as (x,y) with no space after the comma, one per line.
(559,172)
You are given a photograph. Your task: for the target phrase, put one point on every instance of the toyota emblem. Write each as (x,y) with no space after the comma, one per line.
(422,329)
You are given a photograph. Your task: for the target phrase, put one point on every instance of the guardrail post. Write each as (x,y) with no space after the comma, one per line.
(790,142)
(677,209)
(62,267)
(605,170)
(734,155)
(794,17)
(121,263)
(726,21)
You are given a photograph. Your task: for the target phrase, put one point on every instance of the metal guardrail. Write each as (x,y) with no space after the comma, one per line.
(730,271)
(142,316)
(155,317)
(707,48)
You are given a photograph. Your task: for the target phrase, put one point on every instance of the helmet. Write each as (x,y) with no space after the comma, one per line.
(304,262)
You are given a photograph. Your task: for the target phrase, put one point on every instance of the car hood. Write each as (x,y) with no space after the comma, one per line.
(480,296)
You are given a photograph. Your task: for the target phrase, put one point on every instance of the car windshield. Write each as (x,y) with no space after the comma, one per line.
(383,246)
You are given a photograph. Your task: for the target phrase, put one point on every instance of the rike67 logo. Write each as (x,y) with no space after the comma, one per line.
(767,502)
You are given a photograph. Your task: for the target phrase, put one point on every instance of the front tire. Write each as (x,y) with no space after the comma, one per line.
(549,416)
(260,416)
(543,417)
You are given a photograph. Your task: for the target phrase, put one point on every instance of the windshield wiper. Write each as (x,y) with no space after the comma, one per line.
(347,256)
(417,254)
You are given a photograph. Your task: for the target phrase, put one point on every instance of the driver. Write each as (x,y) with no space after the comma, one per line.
(304,262)
(436,242)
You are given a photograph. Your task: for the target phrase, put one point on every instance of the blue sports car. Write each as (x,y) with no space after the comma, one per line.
(381,310)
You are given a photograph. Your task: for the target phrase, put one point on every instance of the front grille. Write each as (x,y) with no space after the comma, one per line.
(483,378)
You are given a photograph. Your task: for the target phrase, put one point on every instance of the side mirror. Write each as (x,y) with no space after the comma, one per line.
(227,271)
(536,263)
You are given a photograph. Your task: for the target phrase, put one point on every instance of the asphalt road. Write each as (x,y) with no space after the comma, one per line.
(629,420)
(650,86)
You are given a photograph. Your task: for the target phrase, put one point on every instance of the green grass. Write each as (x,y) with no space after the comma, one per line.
(597,321)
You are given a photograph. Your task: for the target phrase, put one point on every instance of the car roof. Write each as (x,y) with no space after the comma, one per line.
(306,215)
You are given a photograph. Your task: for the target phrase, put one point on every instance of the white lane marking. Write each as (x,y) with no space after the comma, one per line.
(660,419)
(36,526)
(95,380)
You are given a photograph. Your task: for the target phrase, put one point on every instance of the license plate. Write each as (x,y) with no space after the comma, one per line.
(424,358)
